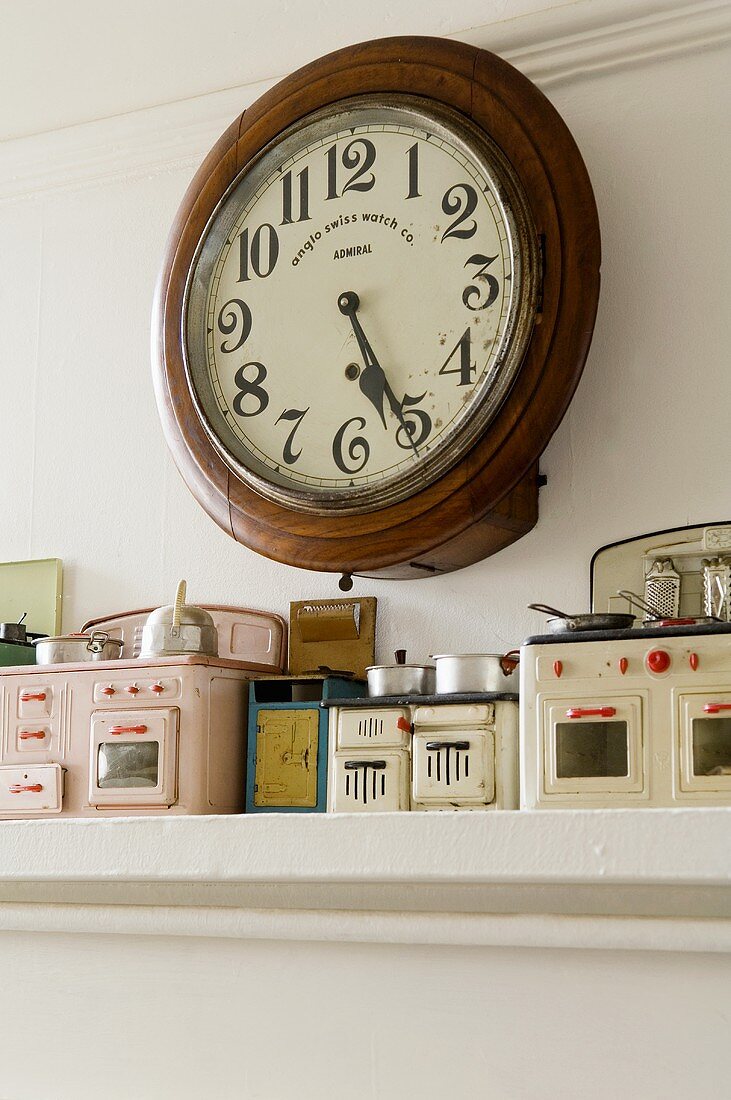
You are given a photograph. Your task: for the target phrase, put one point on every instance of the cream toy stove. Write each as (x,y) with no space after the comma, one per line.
(626,718)
(439,752)
(123,737)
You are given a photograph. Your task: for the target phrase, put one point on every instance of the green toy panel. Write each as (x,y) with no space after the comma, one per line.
(35,587)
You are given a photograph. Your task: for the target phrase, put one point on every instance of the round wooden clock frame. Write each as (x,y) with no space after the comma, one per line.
(489,498)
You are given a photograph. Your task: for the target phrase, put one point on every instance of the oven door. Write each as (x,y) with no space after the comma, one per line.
(705,742)
(453,767)
(286,765)
(134,758)
(593,746)
(370,782)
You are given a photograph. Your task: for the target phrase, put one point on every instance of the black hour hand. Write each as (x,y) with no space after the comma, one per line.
(372,380)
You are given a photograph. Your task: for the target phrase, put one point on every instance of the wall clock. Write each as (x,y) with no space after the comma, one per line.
(375,305)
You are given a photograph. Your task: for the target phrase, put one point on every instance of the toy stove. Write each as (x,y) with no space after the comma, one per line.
(438,752)
(626,718)
(123,737)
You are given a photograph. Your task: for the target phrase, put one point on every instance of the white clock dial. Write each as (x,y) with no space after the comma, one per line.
(360,305)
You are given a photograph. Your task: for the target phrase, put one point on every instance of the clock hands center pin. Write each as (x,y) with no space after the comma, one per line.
(372,380)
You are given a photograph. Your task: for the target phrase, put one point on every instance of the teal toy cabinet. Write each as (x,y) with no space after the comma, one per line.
(287,754)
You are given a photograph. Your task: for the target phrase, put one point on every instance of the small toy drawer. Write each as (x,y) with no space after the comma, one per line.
(35,789)
(379,726)
(35,702)
(455,714)
(33,737)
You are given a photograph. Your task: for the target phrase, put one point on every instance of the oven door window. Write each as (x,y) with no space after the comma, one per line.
(593,745)
(705,742)
(592,750)
(133,758)
(125,764)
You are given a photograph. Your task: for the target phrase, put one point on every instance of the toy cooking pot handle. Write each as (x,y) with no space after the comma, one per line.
(97,641)
(510,662)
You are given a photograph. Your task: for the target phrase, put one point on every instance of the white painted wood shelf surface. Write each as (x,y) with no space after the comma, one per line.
(645,879)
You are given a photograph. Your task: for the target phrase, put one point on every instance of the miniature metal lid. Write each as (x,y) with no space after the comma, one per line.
(372,668)
(400,658)
(451,656)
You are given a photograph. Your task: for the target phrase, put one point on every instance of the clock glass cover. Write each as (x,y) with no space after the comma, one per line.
(360,304)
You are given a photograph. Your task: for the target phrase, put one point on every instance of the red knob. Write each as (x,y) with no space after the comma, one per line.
(623,665)
(157,688)
(558,668)
(658,660)
(108,690)
(693,661)
(132,689)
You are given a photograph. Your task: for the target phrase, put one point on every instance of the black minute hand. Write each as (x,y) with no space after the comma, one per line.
(373,382)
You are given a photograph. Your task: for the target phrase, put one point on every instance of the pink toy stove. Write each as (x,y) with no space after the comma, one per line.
(161,736)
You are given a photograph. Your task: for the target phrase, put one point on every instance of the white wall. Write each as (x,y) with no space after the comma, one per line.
(231,1020)
(84,215)
(82,227)
(105,112)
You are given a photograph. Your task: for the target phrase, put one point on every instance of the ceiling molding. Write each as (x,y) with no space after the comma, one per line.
(557,46)
(586,40)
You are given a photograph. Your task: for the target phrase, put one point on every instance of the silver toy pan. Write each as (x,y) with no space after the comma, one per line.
(594,620)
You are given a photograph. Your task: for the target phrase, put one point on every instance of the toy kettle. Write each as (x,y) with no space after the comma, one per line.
(179,629)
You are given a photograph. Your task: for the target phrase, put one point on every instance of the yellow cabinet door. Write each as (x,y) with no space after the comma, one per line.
(286,758)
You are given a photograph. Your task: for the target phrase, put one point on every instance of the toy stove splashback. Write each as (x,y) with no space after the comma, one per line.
(685,571)
(259,638)
(626,718)
(123,737)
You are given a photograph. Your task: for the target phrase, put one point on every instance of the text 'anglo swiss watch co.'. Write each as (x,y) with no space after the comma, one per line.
(374,311)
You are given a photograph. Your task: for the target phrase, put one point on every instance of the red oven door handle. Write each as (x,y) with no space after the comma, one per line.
(18,788)
(591,712)
(26,735)
(30,696)
(116,730)
(716,708)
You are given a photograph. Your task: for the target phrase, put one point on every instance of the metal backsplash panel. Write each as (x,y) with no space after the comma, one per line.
(628,564)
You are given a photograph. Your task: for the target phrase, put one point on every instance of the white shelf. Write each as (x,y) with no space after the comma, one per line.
(549,878)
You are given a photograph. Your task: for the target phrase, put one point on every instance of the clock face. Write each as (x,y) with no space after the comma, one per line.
(360,304)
